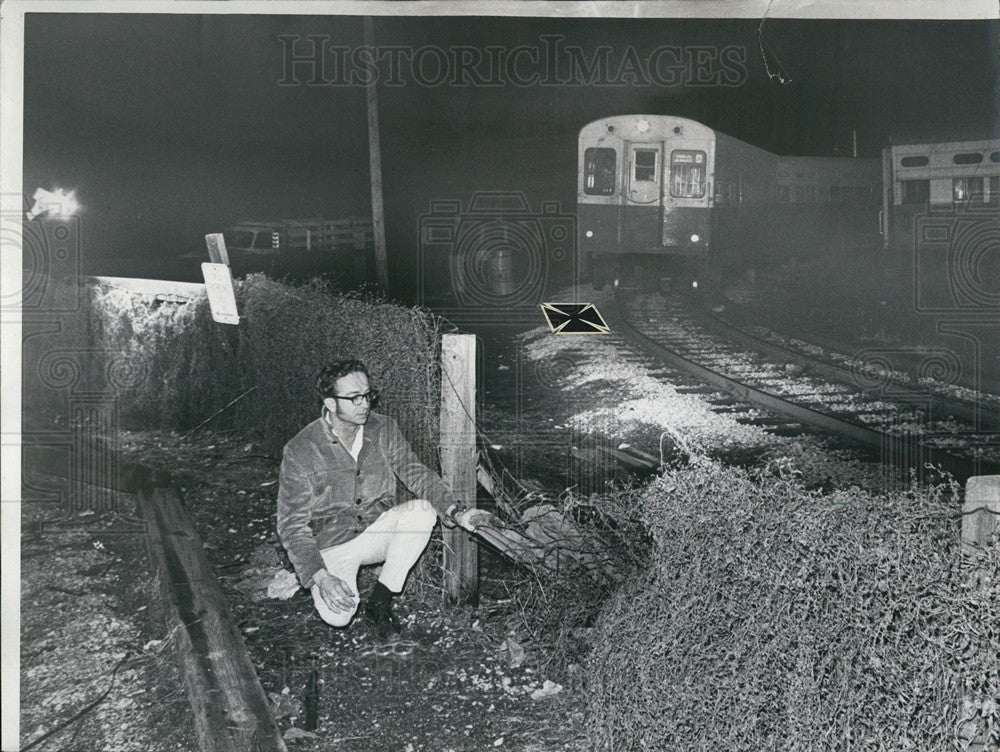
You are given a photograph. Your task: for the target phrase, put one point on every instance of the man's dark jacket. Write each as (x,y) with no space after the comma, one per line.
(326,498)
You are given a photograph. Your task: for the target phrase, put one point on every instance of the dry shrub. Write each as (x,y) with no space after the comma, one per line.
(776,618)
(292,331)
(168,365)
(552,606)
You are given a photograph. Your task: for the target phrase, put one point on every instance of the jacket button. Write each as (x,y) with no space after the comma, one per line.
(357,501)
(358,472)
(360,518)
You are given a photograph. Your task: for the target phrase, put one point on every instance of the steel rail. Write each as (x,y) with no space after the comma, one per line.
(892,446)
(981,416)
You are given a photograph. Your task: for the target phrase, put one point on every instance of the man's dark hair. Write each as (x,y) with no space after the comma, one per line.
(326,382)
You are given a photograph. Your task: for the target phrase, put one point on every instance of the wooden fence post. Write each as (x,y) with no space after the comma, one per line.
(459,460)
(980,520)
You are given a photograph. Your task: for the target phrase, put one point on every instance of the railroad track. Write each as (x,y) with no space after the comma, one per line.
(744,375)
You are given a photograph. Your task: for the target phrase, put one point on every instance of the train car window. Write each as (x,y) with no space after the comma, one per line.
(237,238)
(995,156)
(644,169)
(916,191)
(967,158)
(263,240)
(913,162)
(687,173)
(995,189)
(599,171)
(967,190)
(976,190)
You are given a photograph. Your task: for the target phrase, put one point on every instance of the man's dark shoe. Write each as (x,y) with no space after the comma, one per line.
(386,625)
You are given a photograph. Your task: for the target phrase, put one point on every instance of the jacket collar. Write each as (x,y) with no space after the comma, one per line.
(372,428)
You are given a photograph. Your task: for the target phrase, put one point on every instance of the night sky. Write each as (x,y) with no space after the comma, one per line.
(172,126)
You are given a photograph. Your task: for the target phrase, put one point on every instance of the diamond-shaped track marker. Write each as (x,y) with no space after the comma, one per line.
(574,318)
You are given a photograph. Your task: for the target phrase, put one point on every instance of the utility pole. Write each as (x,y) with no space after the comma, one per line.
(375,162)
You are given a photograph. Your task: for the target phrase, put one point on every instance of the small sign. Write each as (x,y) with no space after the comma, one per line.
(217,253)
(221,297)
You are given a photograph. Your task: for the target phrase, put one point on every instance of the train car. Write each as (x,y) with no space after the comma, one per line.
(956,178)
(303,247)
(661,193)
(824,205)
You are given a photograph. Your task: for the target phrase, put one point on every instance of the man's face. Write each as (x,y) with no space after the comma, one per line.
(349,386)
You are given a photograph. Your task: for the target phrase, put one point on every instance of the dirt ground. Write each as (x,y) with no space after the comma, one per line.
(447,685)
(96,672)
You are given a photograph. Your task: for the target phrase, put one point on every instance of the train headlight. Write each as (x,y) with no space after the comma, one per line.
(695,238)
(642,126)
(694,284)
(589,233)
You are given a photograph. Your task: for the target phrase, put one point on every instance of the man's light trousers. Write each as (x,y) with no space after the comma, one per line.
(395,540)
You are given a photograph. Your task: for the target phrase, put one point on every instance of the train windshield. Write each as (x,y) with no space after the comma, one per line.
(599,171)
(687,173)
(645,165)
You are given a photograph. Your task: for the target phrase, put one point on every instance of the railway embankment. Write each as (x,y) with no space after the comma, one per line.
(793,590)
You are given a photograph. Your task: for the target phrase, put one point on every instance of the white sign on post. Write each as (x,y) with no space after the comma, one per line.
(221,297)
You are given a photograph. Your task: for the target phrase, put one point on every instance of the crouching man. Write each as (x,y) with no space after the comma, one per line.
(337,506)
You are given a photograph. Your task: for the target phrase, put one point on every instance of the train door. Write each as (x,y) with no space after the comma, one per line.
(643,197)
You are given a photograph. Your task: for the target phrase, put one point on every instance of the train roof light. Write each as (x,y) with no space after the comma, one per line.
(642,126)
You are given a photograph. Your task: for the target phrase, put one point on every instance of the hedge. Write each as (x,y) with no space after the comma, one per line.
(168,365)
(776,618)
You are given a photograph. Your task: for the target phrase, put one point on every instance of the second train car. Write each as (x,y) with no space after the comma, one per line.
(657,193)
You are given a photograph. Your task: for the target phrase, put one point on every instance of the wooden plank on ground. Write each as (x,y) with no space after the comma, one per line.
(230,708)
(62,461)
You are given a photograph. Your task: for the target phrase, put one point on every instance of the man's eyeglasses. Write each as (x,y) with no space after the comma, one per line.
(357,399)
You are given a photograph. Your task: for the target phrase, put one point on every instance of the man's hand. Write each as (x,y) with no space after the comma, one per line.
(468,519)
(336,594)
